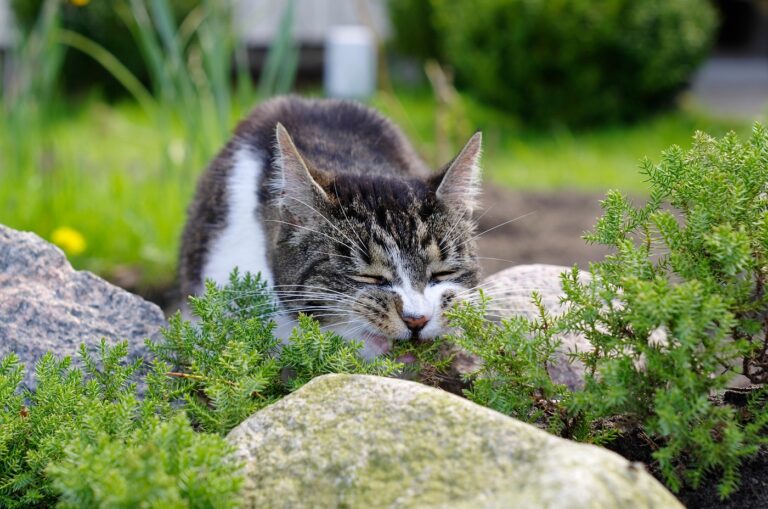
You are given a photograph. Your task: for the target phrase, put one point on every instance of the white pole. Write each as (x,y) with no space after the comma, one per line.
(350,62)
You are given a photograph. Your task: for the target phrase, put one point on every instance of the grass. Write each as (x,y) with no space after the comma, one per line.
(123,180)
(112,175)
(594,160)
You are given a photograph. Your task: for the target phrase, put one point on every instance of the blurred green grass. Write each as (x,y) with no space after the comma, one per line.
(123,181)
(593,160)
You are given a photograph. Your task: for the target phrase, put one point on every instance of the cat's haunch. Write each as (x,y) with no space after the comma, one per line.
(330,203)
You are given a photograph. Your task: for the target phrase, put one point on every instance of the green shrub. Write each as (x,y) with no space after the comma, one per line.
(164,463)
(413,23)
(573,61)
(108,23)
(84,438)
(228,366)
(87,437)
(673,315)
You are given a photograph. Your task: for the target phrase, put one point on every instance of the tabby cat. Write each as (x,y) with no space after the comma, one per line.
(330,203)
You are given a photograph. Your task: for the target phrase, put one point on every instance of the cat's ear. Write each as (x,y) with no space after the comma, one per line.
(299,190)
(459,185)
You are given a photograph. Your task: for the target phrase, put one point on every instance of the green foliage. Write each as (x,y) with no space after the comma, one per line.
(312,352)
(415,34)
(566,61)
(673,315)
(86,437)
(229,365)
(109,24)
(89,438)
(150,150)
(680,308)
(163,463)
(516,354)
(225,364)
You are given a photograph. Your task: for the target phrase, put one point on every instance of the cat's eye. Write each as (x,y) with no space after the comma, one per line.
(369,279)
(443,275)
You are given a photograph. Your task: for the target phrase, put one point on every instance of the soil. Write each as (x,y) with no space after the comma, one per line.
(546,227)
(752,493)
(542,228)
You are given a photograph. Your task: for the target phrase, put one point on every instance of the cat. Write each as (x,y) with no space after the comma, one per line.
(330,203)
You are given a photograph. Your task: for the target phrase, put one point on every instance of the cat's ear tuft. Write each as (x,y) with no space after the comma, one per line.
(299,190)
(459,185)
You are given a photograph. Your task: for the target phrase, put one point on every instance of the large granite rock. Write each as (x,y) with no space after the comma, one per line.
(361,441)
(510,291)
(45,305)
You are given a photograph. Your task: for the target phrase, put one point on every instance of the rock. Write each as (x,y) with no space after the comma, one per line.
(45,305)
(510,291)
(364,441)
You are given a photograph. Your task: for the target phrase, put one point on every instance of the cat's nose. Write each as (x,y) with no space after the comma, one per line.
(415,322)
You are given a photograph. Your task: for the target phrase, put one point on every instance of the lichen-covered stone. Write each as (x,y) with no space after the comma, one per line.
(359,441)
(45,305)
(510,291)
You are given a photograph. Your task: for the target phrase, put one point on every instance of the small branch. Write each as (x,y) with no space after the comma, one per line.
(199,378)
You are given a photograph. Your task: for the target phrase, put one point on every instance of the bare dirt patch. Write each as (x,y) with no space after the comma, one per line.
(544,227)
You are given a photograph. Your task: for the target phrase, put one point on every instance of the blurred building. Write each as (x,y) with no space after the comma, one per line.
(6,27)
(744,23)
(259,20)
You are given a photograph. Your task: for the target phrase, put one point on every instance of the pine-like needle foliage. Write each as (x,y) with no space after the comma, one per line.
(680,308)
(85,438)
(673,316)
(228,364)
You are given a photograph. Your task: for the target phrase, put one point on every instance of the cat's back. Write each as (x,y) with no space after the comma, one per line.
(333,135)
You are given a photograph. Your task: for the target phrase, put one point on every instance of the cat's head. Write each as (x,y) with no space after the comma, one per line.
(377,258)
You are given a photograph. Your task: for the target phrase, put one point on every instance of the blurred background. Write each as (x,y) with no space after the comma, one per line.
(111,109)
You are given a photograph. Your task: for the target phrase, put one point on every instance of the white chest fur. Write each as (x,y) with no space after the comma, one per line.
(242,243)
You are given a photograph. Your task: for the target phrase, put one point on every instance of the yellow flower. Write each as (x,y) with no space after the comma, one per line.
(69,240)
(80,3)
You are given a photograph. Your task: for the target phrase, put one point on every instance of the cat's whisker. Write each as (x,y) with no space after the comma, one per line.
(308,291)
(498,226)
(333,254)
(339,305)
(329,223)
(304,296)
(309,309)
(310,230)
(314,295)
(307,286)
(315,313)
(311,300)
(447,235)
(447,239)
(351,332)
(346,218)
(496,259)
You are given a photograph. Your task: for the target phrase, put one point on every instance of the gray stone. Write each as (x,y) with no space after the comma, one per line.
(510,291)
(45,305)
(366,442)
